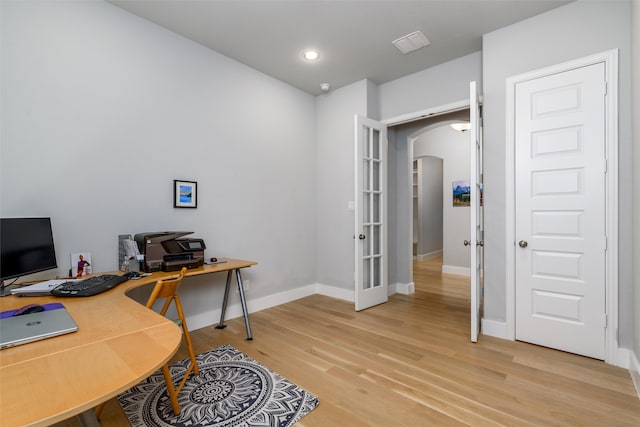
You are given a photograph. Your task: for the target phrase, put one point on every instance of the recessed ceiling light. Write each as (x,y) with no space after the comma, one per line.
(310,55)
(461,127)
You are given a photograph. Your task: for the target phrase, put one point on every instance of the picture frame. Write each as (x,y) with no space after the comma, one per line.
(80,264)
(461,193)
(185,194)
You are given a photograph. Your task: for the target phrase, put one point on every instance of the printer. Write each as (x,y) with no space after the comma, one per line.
(167,252)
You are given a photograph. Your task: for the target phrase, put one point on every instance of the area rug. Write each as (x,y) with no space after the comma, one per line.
(231,389)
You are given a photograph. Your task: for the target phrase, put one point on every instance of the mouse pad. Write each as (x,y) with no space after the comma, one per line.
(50,306)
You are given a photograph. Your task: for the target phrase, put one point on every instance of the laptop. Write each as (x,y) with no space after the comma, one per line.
(31,327)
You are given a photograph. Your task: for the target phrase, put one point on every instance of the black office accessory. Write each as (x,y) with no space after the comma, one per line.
(164,251)
(88,287)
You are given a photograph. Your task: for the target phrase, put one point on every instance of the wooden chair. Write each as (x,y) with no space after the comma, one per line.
(168,289)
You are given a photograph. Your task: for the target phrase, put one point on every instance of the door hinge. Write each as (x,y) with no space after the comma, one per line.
(604,321)
(605,88)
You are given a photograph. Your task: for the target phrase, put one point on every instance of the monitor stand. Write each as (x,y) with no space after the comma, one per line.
(5,290)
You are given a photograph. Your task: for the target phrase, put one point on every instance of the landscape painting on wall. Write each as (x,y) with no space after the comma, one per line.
(461,193)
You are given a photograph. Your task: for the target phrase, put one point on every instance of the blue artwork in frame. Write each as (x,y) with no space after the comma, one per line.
(185,194)
(461,193)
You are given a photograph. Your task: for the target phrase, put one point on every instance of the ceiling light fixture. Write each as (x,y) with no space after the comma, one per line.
(310,55)
(325,87)
(460,127)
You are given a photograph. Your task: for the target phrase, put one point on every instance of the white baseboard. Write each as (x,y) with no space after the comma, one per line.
(402,288)
(634,370)
(621,358)
(234,310)
(335,292)
(494,328)
(430,255)
(460,271)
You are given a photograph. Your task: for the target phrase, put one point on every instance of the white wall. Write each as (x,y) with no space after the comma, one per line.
(576,30)
(433,87)
(453,148)
(101,110)
(334,167)
(430,209)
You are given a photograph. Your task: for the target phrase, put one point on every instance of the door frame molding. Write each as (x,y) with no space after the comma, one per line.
(610,59)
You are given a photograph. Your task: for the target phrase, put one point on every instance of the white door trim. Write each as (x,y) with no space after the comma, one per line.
(610,59)
(462,104)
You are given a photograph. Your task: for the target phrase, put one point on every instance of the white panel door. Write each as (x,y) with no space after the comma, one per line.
(476,220)
(370,213)
(560,211)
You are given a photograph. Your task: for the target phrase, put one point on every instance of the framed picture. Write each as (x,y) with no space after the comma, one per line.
(80,264)
(461,193)
(185,194)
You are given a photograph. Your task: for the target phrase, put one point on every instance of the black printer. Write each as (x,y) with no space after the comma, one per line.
(165,251)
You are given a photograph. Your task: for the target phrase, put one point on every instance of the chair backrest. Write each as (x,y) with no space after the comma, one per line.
(166,288)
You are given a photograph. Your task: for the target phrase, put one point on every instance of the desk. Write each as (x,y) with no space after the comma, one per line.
(119,343)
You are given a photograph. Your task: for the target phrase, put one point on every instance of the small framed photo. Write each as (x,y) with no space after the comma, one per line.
(461,193)
(80,264)
(185,194)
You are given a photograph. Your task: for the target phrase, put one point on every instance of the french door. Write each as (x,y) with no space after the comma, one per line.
(370,205)
(475,216)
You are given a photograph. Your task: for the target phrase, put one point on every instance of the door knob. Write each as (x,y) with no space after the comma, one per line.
(467,243)
(480,243)
(361,236)
(523,243)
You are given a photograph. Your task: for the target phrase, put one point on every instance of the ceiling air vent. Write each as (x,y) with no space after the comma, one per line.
(411,42)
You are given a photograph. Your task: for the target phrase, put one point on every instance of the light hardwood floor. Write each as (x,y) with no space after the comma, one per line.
(409,362)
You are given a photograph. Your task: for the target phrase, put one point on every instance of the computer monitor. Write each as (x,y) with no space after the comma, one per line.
(26,247)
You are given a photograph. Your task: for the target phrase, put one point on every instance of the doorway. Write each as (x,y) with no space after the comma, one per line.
(401,132)
(451,147)
(428,138)
(428,207)
(451,253)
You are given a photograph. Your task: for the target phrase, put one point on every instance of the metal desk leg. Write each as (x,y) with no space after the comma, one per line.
(244,305)
(221,325)
(88,419)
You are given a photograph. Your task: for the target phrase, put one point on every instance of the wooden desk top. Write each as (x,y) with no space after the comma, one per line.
(119,343)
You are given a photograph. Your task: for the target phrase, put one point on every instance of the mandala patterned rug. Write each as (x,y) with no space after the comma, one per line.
(231,390)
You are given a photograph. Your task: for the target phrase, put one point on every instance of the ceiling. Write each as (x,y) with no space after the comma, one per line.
(353,37)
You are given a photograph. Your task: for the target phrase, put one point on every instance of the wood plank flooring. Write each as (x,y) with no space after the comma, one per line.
(409,362)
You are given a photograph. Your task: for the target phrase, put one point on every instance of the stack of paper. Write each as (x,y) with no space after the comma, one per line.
(42,288)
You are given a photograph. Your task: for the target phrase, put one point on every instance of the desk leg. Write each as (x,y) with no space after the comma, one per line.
(88,419)
(221,325)
(244,305)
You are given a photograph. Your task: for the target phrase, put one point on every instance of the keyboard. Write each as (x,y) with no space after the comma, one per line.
(88,287)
